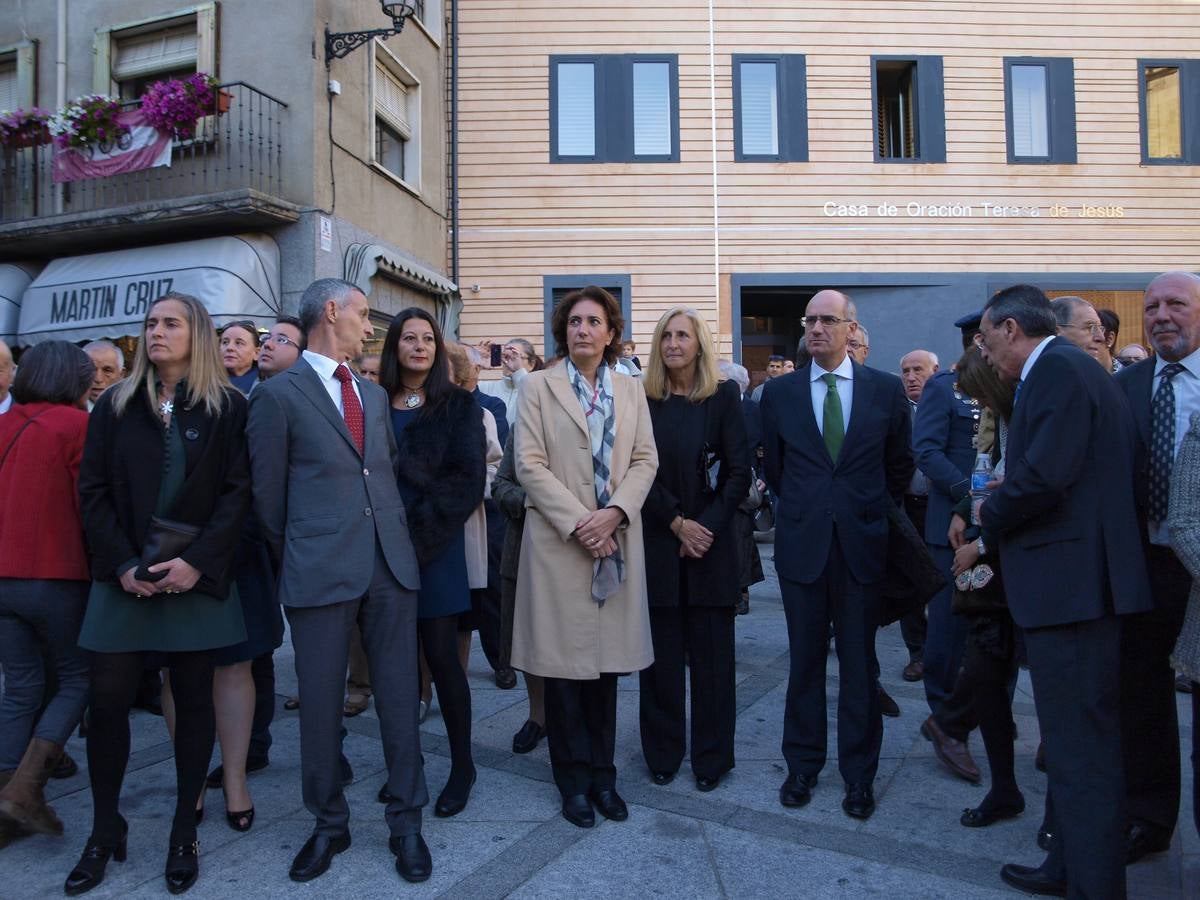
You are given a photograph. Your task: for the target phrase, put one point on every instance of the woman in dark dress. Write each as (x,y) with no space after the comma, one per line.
(167,445)
(693,572)
(439,433)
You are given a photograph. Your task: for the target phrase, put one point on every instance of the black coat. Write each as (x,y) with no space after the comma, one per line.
(120,475)
(714,579)
(443,471)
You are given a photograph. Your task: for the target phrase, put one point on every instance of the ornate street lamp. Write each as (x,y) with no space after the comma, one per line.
(340,43)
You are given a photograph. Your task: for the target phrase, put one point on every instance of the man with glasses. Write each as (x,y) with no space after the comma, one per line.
(1080,324)
(831,538)
(281,347)
(859,345)
(516,361)
(1130,354)
(1067,525)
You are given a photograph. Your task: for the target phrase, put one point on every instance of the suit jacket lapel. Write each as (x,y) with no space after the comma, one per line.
(864,394)
(564,393)
(1142,399)
(309,383)
(808,419)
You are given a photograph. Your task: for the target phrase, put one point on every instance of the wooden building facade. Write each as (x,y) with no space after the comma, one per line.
(738,156)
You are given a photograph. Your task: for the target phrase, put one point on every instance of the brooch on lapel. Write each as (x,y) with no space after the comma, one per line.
(192,433)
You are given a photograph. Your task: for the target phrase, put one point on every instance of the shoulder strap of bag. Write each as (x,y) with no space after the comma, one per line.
(13,442)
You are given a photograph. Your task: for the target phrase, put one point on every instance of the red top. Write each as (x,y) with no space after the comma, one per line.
(41,532)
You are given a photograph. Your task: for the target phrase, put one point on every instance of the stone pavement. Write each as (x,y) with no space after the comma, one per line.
(736,841)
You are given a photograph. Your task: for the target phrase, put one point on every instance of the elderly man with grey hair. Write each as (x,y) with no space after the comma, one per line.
(1080,324)
(109,361)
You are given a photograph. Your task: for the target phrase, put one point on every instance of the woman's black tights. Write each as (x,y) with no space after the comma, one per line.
(115,679)
(439,640)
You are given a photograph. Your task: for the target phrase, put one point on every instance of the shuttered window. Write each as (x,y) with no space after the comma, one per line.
(770,108)
(164,50)
(1039,109)
(759,99)
(621,108)
(396,125)
(10,95)
(391,100)
(1030,111)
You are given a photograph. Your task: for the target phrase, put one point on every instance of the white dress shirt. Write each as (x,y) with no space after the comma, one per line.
(506,389)
(845,389)
(325,367)
(5,404)
(1187,401)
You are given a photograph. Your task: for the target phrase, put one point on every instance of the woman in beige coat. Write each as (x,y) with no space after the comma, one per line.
(585,456)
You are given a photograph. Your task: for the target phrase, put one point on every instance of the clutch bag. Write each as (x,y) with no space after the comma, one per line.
(165,540)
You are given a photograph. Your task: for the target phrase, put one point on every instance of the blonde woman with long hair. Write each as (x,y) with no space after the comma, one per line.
(692,569)
(164,488)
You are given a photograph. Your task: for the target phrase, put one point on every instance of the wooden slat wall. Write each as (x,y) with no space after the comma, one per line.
(522,217)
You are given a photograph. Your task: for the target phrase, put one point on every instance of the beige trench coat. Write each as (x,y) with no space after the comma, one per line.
(559,631)
(475,528)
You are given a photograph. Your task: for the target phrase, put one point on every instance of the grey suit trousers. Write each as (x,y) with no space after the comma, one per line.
(387,618)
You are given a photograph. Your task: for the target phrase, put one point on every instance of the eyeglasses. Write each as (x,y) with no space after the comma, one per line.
(1129,360)
(1095,329)
(280,339)
(855,345)
(827,321)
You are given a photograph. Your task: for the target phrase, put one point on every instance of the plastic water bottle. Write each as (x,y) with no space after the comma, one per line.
(980,476)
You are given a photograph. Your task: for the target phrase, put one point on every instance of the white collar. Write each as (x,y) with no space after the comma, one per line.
(1191,362)
(1033,357)
(844,370)
(324,366)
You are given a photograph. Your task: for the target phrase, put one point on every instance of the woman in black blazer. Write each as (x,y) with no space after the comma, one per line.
(167,443)
(692,568)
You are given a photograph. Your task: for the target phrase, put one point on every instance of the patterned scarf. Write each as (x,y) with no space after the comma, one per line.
(599,411)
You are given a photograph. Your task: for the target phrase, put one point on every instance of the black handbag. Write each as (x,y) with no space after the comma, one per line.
(165,540)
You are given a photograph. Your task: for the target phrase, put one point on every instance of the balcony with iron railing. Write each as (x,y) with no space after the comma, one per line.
(232,169)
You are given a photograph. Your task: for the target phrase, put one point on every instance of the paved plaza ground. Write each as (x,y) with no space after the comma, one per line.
(736,841)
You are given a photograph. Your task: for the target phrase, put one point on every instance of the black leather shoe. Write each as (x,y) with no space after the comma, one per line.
(859,801)
(384,795)
(65,767)
(610,804)
(1032,881)
(413,861)
(987,812)
(315,856)
(577,810)
(796,790)
(450,803)
(347,772)
(183,866)
(706,784)
(506,679)
(887,705)
(662,777)
(528,737)
(89,871)
(1143,839)
(1043,839)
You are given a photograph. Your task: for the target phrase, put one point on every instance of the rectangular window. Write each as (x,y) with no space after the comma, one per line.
(909,108)
(1039,109)
(770,108)
(1169,102)
(141,58)
(617,108)
(397,119)
(556,287)
(10,94)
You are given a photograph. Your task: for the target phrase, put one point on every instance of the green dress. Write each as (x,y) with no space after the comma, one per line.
(119,622)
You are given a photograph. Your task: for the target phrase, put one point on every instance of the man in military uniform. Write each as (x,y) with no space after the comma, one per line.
(944,443)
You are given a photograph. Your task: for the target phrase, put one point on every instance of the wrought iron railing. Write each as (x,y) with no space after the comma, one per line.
(238,146)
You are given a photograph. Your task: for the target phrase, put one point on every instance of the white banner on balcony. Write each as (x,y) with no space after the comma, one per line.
(106,295)
(141,146)
(14,278)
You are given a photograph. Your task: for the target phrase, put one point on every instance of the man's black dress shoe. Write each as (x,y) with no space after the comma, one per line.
(577,810)
(506,679)
(706,784)
(610,804)
(347,772)
(217,776)
(662,777)
(89,871)
(413,861)
(528,737)
(314,857)
(887,705)
(384,795)
(183,866)
(1032,881)
(1142,839)
(796,790)
(1043,839)
(859,801)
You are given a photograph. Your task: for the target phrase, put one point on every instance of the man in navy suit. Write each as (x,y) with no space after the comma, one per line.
(837,452)
(1171,315)
(1073,566)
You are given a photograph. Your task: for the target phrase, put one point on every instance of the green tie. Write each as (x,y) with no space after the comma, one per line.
(832,426)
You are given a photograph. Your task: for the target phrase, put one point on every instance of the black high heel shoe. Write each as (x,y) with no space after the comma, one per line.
(89,871)
(449,804)
(240,821)
(183,866)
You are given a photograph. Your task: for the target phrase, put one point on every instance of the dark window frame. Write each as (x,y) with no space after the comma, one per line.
(1061,126)
(791,97)
(931,109)
(614,107)
(1189,98)
(552,283)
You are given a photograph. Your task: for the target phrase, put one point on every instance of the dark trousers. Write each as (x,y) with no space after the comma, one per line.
(581,730)
(705,635)
(1152,777)
(1196,754)
(387,619)
(945,639)
(914,626)
(1075,674)
(262,670)
(853,608)
(488,612)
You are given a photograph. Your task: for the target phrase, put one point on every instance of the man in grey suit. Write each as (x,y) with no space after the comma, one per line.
(324,461)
